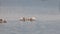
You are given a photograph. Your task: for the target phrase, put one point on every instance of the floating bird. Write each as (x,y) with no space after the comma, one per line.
(3,21)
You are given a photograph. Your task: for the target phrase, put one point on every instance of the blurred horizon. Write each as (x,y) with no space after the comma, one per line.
(47,13)
(13,9)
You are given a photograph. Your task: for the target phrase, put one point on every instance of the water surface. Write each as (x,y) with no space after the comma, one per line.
(37,27)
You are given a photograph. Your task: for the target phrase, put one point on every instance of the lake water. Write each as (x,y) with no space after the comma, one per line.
(37,27)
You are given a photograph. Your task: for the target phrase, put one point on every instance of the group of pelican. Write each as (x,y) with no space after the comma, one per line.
(27,19)
(21,19)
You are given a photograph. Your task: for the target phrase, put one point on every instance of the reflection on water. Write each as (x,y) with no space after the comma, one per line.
(37,27)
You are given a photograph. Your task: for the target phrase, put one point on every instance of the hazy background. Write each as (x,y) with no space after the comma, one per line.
(46,11)
(43,9)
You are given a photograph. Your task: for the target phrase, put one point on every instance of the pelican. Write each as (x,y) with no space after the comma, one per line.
(2,21)
(33,18)
(22,18)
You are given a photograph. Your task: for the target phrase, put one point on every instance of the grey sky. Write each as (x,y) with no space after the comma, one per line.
(28,7)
